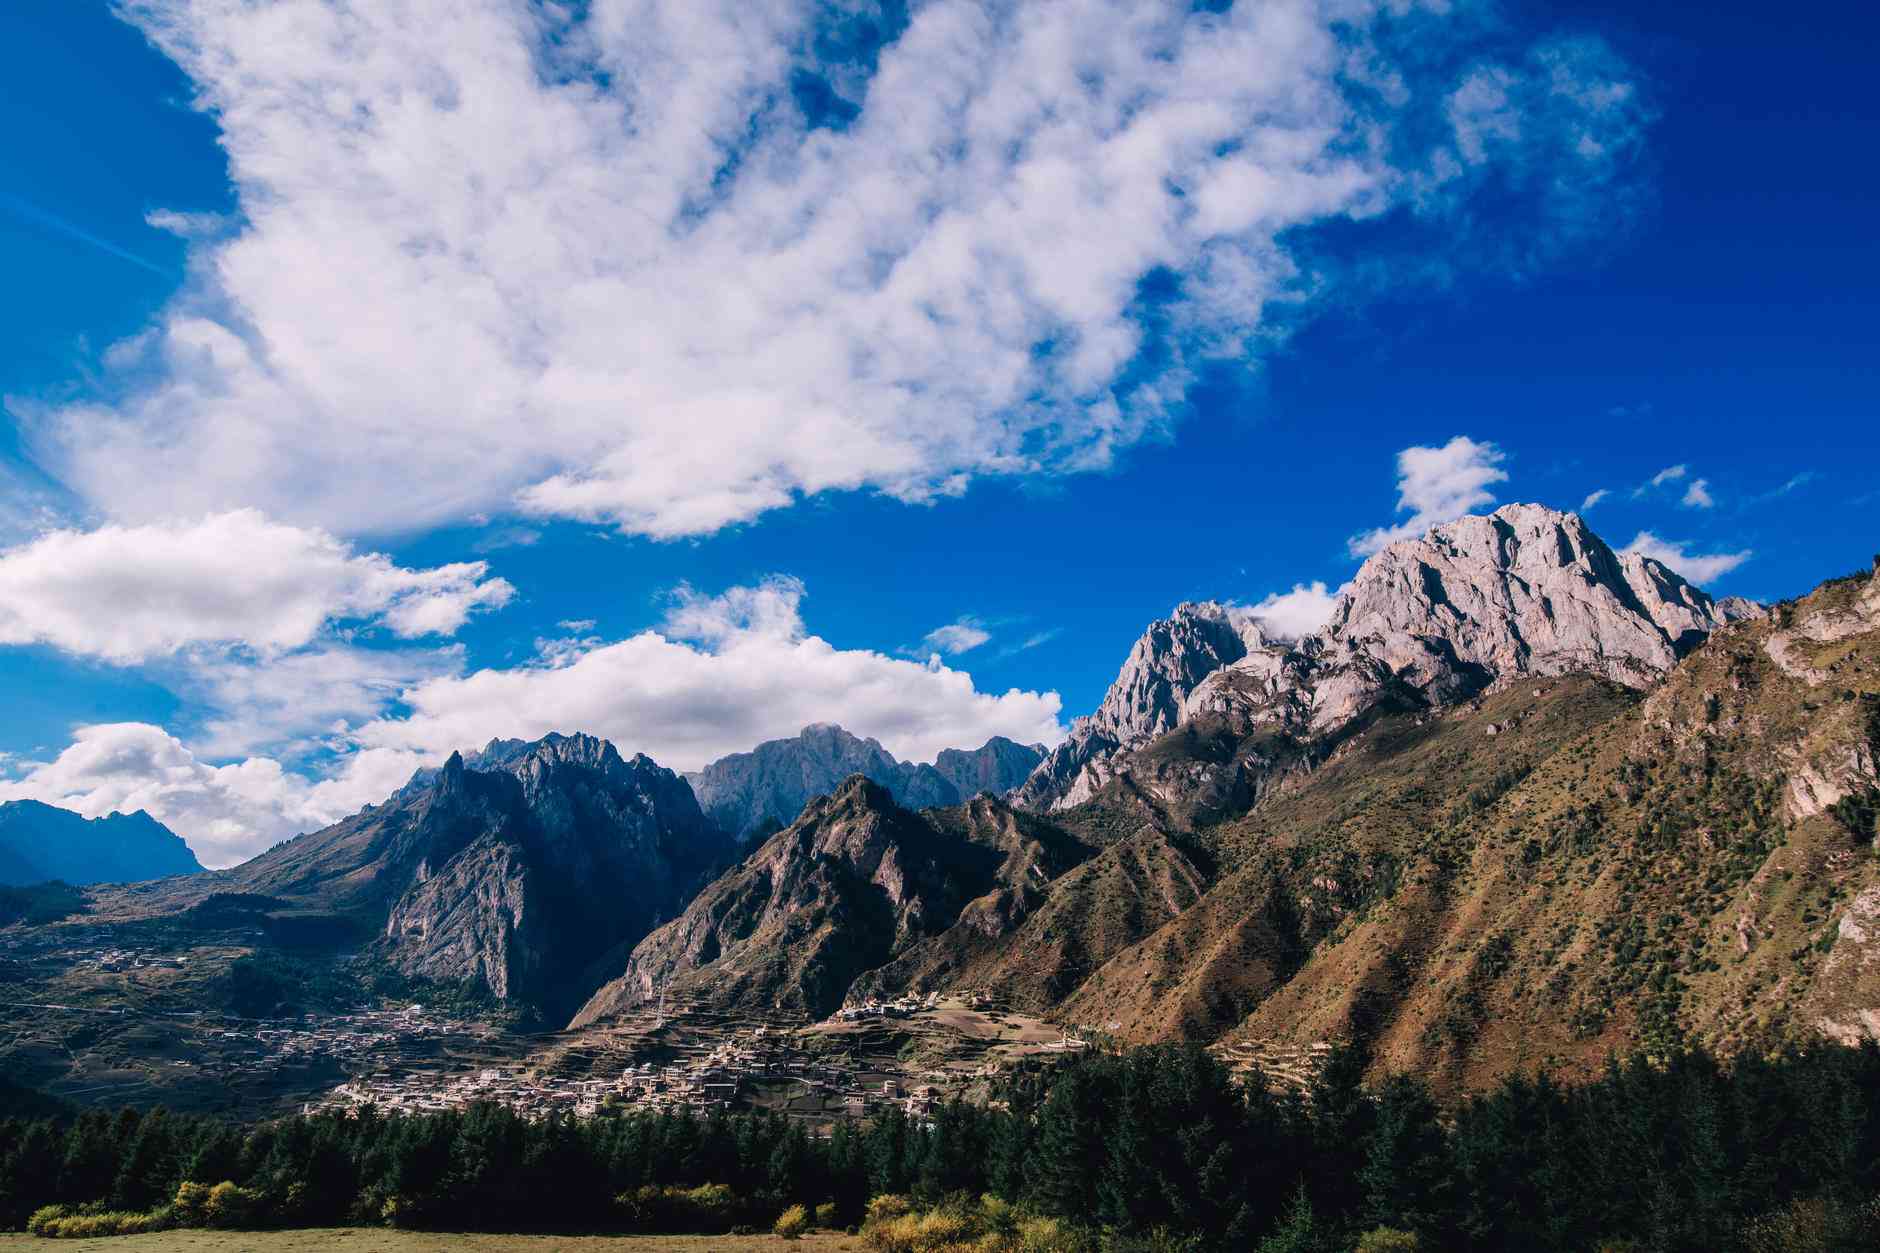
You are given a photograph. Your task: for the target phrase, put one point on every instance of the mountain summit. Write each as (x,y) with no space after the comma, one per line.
(753,794)
(1432,620)
(516,872)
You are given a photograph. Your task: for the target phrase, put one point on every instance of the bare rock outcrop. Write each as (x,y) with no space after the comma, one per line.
(753,794)
(1525,590)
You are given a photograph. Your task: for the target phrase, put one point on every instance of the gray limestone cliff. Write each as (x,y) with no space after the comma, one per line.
(753,794)
(1525,590)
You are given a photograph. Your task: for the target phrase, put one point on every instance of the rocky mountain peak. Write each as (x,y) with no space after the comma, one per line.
(515,867)
(752,794)
(1434,619)
(1525,589)
(1166,664)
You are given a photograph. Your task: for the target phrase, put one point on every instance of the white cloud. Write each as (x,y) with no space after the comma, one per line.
(130,593)
(725,672)
(1670,474)
(721,674)
(955,637)
(1298,613)
(225,813)
(301,702)
(1676,554)
(1697,495)
(490,255)
(1437,485)
(1037,639)
(579,626)
(1593,498)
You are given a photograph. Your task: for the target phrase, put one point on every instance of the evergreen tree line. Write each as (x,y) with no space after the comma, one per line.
(1682,1154)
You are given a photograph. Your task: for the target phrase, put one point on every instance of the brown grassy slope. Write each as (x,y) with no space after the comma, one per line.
(1324,849)
(1034,959)
(1671,873)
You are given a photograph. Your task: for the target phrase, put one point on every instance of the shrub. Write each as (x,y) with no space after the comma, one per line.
(1814,1225)
(886,1206)
(709,1209)
(70,1226)
(191,1206)
(828,1214)
(230,1205)
(1000,1216)
(1387,1240)
(792,1223)
(44,1216)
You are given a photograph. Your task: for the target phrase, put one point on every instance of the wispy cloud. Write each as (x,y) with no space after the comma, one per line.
(1593,498)
(1037,639)
(954,638)
(1697,495)
(614,273)
(1670,474)
(1794,483)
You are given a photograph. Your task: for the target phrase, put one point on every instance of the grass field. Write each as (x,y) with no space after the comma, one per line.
(372,1240)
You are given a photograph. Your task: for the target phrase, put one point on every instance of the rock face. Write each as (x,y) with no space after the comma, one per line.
(519,874)
(1433,620)
(854,883)
(1164,668)
(752,794)
(40,842)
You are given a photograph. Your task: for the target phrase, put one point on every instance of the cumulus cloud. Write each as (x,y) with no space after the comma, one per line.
(130,593)
(721,673)
(302,702)
(1437,485)
(1697,495)
(1676,554)
(955,638)
(1593,498)
(601,262)
(1295,614)
(225,813)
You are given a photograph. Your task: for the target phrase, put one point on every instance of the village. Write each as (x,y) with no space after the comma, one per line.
(910,1053)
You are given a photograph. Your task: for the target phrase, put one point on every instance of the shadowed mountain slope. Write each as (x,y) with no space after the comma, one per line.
(518,876)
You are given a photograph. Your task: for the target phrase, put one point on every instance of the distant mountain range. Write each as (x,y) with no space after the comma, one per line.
(753,794)
(41,842)
(1521,799)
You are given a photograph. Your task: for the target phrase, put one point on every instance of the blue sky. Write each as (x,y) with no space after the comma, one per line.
(795,385)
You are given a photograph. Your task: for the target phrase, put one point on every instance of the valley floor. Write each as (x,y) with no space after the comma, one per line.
(372,1240)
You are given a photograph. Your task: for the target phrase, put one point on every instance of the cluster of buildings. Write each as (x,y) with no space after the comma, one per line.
(365,1034)
(115,960)
(900,1007)
(761,1066)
